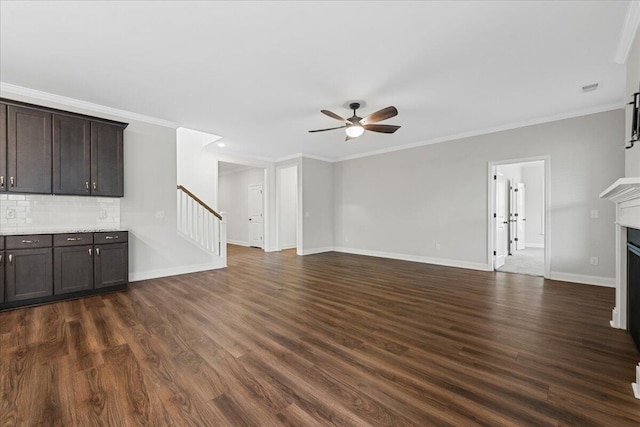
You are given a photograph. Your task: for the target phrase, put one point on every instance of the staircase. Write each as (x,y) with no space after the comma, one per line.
(200,224)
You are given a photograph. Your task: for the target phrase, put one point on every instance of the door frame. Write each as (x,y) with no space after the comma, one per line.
(491,170)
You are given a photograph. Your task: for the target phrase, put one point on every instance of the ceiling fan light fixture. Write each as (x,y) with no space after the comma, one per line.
(354,131)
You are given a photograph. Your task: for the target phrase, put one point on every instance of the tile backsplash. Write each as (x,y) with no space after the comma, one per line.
(20,213)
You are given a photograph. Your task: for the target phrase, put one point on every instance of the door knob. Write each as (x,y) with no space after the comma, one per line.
(249,219)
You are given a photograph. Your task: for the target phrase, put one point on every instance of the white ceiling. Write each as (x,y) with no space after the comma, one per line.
(258,73)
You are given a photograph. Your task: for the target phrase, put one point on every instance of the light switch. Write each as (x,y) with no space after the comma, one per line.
(594,213)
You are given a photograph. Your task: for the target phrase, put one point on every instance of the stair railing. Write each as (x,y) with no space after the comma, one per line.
(200,223)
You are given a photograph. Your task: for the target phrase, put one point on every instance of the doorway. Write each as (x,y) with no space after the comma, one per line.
(241,198)
(518,232)
(287,223)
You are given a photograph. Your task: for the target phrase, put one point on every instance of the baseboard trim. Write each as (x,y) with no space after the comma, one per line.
(166,272)
(415,258)
(315,250)
(238,242)
(534,245)
(607,282)
(282,248)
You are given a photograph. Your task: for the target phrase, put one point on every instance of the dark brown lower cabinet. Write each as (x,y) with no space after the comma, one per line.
(111,265)
(72,269)
(2,256)
(29,274)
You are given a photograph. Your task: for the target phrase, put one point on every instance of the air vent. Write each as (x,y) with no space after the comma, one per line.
(590,88)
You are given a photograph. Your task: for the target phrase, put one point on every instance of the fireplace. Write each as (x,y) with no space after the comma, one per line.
(633,284)
(625,193)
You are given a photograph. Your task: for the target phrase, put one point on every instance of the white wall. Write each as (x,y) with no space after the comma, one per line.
(155,248)
(532,176)
(511,172)
(405,203)
(287,202)
(233,199)
(632,156)
(317,206)
(197,168)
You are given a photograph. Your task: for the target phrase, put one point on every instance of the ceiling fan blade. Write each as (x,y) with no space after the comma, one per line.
(382,128)
(380,115)
(348,138)
(322,130)
(333,115)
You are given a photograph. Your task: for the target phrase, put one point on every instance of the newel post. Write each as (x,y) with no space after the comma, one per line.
(223,238)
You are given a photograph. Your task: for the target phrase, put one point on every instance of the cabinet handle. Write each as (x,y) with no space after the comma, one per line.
(95,186)
(12,181)
(73,239)
(31,241)
(98,251)
(89,251)
(10,258)
(111,237)
(86,184)
(2,181)
(0,259)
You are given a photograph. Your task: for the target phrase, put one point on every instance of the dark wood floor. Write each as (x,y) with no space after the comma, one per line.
(328,339)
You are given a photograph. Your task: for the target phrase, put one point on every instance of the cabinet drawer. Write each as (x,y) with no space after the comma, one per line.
(28,241)
(110,237)
(73,239)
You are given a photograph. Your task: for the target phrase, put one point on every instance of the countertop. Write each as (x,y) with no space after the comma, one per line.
(27,233)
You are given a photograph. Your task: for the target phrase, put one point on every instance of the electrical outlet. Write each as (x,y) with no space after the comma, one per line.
(594,213)
(437,246)
(11,213)
(593,260)
(159,214)
(103,214)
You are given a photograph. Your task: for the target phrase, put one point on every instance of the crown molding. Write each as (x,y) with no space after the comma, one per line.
(628,33)
(514,125)
(11,89)
(301,155)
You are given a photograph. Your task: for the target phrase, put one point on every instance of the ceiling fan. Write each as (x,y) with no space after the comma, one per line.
(355,126)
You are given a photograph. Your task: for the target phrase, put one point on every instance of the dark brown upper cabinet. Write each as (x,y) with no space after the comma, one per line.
(107,160)
(49,151)
(71,155)
(3,147)
(28,150)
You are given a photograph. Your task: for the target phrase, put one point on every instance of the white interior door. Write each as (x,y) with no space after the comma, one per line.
(520,216)
(255,204)
(501,221)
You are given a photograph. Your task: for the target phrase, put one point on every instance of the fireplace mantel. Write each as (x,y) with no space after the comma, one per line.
(625,193)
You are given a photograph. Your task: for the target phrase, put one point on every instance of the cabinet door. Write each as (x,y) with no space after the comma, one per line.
(29,274)
(71,155)
(2,260)
(28,150)
(111,265)
(72,269)
(107,165)
(3,147)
